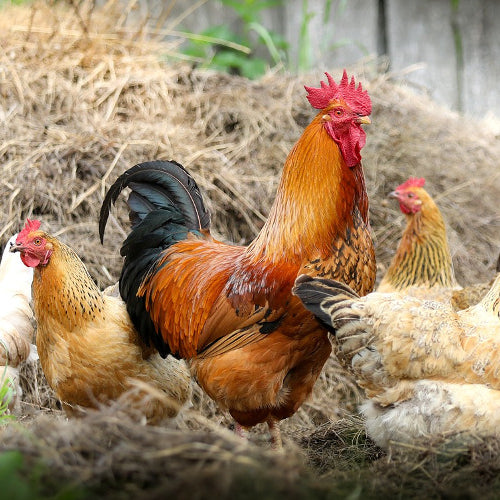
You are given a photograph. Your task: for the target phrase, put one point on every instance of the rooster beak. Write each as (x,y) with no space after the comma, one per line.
(365,120)
(393,194)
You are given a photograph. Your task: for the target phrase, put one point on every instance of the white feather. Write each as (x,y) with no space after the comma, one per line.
(16,317)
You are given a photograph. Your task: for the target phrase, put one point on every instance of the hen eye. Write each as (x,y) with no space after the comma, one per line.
(411,195)
(37,241)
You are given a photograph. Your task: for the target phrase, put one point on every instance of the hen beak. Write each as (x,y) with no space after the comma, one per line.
(365,120)
(393,194)
(15,247)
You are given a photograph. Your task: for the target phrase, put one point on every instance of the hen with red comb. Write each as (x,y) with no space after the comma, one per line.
(411,182)
(89,350)
(29,226)
(423,257)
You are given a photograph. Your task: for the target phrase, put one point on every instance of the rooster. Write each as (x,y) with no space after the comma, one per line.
(17,324)
(422,261)
(229,309)
(426,368)
(89,349)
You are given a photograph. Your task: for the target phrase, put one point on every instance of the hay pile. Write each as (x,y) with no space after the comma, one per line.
(79,105)
(85,95)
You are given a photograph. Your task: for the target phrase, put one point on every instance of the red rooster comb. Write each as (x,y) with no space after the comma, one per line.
(411,182)
(356,98)
(31,225)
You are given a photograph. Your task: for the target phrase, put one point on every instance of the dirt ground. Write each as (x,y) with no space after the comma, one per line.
(86,94)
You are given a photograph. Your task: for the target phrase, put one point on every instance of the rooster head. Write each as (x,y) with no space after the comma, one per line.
(410,195)
(33,245)
(344,108)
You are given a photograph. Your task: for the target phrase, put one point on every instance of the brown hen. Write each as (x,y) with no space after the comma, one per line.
(89,350)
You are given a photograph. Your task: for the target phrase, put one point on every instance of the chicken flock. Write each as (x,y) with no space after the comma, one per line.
(254,325)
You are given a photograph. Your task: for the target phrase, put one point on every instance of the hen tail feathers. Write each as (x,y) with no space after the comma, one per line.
(327,299)
(332,303)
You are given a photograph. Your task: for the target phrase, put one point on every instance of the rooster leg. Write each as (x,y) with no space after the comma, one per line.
(275,431)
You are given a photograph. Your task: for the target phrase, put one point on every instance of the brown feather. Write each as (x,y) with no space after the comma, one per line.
(89,350)
(423,256)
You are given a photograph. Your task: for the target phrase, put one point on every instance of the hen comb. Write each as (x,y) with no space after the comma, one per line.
(31,225)
(355,97)
(411,182)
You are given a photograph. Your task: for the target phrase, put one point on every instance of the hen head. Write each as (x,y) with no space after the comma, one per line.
(33,245)
(411,195)
(344,109)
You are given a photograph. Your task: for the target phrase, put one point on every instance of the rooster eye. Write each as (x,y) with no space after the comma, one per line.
(37,241)
(411,195)
(339,112)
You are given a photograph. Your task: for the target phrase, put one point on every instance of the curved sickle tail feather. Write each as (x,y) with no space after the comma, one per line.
(165,204)
(156,185)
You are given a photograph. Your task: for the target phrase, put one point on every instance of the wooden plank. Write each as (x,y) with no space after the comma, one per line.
(480,33)
(339,40)
(425,31)
(348,34)
(421,32)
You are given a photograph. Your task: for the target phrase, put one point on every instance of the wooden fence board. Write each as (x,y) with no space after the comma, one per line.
(424,31)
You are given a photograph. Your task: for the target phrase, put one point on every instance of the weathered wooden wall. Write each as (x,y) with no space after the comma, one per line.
(458,44)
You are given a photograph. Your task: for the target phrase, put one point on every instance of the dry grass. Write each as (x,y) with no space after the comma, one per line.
(85,94)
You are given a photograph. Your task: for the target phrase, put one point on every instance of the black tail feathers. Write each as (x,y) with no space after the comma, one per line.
(158,185)
(165,205)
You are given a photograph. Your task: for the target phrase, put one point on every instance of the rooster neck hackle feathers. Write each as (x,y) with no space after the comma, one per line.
(316,197)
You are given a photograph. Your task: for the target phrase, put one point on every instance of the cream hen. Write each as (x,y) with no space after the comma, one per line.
(426,368)
(17,324)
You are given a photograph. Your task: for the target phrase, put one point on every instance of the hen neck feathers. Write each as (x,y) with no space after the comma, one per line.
(423,256)
(65,291)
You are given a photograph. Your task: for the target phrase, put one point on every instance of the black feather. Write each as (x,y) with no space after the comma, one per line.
(158,184)
(317,293)
(165,204)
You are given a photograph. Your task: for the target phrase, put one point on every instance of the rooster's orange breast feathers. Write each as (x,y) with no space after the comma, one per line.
(207,290)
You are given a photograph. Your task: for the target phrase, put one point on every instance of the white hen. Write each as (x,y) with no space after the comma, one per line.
(16,320)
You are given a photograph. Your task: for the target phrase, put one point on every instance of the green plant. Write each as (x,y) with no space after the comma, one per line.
(5,399)
(6,393)
(18,482)
(4,3)
(328,42)
(221,48)
(304,58)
